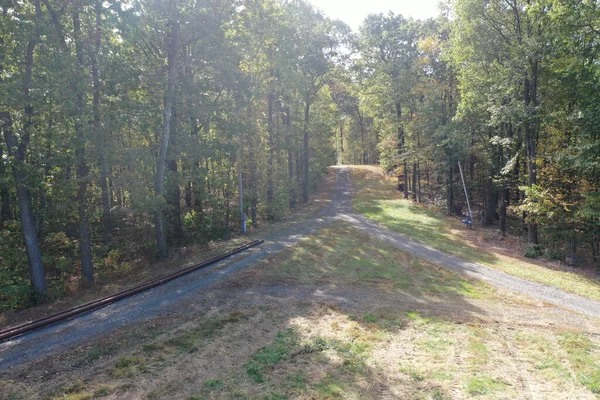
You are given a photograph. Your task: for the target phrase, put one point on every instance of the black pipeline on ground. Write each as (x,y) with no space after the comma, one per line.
(92,305)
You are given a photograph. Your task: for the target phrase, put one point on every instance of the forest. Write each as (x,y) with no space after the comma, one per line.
(132,128)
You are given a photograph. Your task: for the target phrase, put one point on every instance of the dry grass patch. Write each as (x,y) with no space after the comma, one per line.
(341,316)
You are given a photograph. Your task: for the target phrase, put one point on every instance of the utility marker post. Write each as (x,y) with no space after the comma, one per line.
(469,220)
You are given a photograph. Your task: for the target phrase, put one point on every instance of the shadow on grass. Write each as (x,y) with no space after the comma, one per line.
(339,295)
(309,321)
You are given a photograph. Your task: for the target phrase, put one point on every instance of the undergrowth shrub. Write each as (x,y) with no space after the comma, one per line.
(533,251)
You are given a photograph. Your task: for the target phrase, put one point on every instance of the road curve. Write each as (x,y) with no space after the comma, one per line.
(171,296)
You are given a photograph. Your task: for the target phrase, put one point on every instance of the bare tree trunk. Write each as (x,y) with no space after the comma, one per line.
(299,169)
(173,39)
(418,181)
(342,142)
(173,191)
(227,195)
(414,181)
(174,201)
(402,183)
(17,148)
(503,206)
(271,139)
(287,123)
(306,180)
(34,256)
(491,206)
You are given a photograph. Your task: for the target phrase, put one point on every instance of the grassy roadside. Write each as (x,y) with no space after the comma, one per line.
(140,272)
(375,197)
(338,316)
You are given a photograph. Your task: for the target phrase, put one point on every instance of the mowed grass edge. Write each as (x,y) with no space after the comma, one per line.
(375,196)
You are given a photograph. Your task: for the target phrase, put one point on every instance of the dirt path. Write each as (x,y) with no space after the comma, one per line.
(171,297)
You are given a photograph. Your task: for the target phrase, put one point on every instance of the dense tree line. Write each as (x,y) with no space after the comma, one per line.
(131,128)
(507,88)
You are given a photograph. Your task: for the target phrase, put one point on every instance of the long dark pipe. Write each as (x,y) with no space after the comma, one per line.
(92,305)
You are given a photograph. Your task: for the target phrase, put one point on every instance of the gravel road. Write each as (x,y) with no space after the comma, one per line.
(170,297)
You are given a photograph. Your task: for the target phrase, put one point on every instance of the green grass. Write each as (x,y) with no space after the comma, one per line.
(192,340)
(480,385)
(340,255)
(583,355)
(377,198)
(267,357)
(129,366)
(411,371)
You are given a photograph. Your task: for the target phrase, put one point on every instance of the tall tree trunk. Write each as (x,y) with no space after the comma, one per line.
(401,184)
(491,206)
(418,181)
(227,195)
(342,142)
(271,139)
(17,148)
(306,150)
(361,124)
(82,170)
(173,191)
(406,185)
(503,206)
(287,123)
(173,39)
(530,98)
(299,169)
(414,181)
(174,201)
(98,132)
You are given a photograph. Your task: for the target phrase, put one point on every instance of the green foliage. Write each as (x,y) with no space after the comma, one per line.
(533,251)
(15,289)
(552,254)
(107,112)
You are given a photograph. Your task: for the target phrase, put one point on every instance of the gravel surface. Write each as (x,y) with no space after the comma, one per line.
(170,297)
(494,277)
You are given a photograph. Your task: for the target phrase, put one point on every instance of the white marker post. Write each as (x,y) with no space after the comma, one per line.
(469,215)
